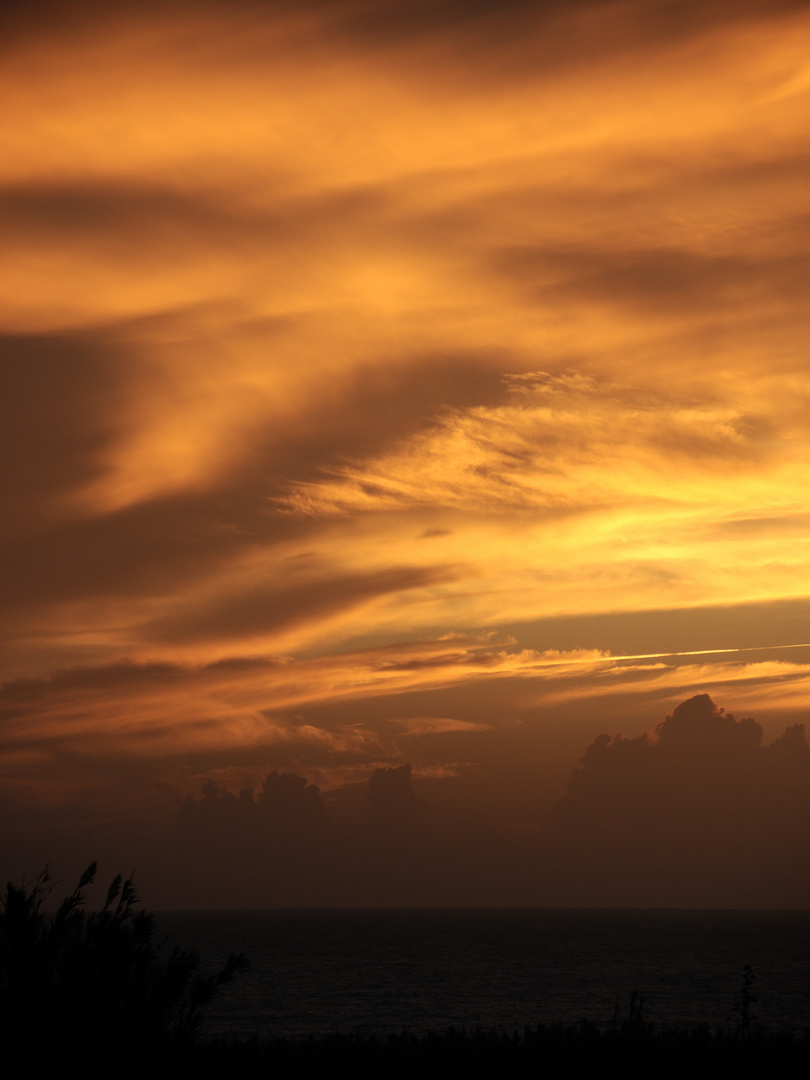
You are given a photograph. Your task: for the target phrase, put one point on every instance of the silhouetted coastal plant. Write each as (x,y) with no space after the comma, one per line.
(746,1021)
(95,986)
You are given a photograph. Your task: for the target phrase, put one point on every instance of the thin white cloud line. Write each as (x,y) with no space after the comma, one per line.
(709,652)
(662,655)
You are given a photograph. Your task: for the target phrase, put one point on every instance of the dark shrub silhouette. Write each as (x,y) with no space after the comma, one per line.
(95,987)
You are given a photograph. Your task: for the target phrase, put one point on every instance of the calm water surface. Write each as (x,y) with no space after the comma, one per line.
(375,971)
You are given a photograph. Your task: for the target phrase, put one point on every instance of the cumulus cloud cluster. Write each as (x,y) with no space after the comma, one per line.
(697,807)
(696,811)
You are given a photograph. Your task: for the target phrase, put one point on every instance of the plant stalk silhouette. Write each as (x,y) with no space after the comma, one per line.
(95,986)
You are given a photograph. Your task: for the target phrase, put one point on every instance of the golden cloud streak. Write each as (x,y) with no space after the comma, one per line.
(172,710)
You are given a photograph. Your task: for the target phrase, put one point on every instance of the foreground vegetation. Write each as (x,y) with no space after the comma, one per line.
(542,1051)
(96,991)
(632,1048)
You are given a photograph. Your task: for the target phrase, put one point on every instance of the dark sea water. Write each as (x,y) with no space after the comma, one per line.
(314,972)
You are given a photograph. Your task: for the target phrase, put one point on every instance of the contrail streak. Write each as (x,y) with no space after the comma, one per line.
(610,658)
(709,652)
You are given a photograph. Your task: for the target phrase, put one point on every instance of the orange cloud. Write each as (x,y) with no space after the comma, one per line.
(347,334)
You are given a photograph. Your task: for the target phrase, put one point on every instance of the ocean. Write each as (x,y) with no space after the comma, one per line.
(318,971)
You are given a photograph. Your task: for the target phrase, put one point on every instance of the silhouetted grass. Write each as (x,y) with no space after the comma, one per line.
(94,988)
(545,1050)
(632,1047)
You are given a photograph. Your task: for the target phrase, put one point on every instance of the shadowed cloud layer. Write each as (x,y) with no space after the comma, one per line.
(697,807)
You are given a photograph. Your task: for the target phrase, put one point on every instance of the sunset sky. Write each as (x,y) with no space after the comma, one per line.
(418,383)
